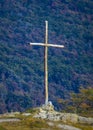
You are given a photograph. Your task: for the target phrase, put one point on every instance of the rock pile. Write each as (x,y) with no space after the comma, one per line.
(48,112)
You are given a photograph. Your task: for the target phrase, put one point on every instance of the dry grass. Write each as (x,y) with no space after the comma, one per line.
(84,127)
(2,128)
(30,123)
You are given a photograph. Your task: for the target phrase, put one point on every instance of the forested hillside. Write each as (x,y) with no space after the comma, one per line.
(22,66)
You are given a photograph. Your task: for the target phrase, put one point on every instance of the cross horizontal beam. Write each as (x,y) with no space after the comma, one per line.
(47,45)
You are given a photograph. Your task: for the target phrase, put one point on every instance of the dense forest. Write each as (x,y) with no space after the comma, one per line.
(22,66)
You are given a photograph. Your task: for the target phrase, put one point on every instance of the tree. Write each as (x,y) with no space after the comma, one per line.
(81,102)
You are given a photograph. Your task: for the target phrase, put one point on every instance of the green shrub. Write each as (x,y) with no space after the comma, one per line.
(1,128)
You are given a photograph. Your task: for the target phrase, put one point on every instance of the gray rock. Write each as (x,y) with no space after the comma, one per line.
(48,112)
(50,123)
(67,127)
(85,120)
(26,114)
(53,117)
(9,120)
(69,117)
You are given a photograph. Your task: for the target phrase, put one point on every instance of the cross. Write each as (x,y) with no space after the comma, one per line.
(46,45)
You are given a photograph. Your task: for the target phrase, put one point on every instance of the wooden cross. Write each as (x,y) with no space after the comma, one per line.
(46,45)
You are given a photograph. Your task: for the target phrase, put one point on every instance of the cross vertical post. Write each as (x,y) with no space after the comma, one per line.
(46,63)
(46,45)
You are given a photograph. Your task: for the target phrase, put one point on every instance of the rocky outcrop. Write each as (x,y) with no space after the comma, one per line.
(48,112)
(57,116)
(67,127)
(62,126)
(85,120)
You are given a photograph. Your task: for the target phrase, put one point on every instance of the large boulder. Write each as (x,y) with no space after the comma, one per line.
(85,120)
(69,117)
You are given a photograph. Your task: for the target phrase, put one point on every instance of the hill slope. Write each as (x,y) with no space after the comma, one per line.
(21,66)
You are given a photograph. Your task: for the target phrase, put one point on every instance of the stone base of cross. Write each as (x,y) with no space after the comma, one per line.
(46,45)
(48,107)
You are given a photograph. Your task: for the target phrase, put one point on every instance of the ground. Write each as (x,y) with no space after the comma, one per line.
(27,122)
